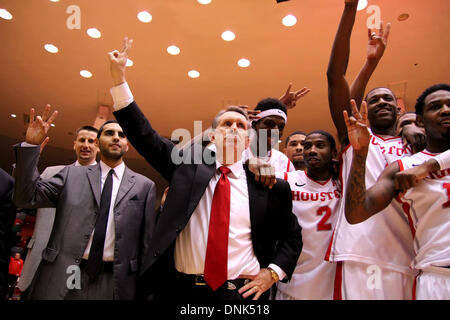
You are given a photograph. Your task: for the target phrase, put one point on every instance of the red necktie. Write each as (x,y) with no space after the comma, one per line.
(216,260)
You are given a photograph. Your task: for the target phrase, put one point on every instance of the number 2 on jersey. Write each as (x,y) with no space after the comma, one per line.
(323,225)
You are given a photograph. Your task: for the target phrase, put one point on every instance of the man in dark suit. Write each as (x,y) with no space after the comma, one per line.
(7,216)
(220,236)
(104,218)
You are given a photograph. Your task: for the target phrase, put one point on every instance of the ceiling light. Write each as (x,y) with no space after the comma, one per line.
(13,115)
(228,35)
(173,50)
(144,16)
(51,48)
(289,20)
(5,14)
(94,33)
(54,0)
(362,4)
(130,63)
(52,124)
(204,1)
(243,63)
(85,74)
(194,74)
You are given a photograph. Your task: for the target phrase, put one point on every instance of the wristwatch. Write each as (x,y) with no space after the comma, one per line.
(274,275)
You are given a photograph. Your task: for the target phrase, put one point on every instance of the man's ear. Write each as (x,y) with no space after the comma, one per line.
(127,147)
(284,150)
(419,121)
(74,143)
(211,135)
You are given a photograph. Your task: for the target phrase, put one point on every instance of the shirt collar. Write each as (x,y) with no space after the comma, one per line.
(77,164)
(118,171)
(236,168)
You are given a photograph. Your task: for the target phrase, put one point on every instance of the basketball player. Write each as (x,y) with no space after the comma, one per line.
(427,204)
(315,199)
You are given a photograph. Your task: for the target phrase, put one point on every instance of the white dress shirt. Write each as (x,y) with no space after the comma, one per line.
(190,247)
(108,251)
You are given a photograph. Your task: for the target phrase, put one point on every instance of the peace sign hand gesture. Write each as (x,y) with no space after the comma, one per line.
(37,128)
(377,42)
(289,99)
(357,128)
(118,61)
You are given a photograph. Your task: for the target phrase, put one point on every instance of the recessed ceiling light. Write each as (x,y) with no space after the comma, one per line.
(85,74)
(194,74)
(243,63)
(130,63)
(403,17)
(52,124)
(362,4)
(5,14)
(228,35)
(144,16)
(51,48)
(289,20)
(94,33)
(13,115)
(204,1)
(54,0)
(173,50)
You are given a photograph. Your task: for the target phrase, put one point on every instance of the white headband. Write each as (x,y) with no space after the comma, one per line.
(272,112)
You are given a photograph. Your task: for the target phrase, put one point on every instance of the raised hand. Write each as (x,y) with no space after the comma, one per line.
(37,128)
(357,128)
(377,42)
(290,99)
(252,114)
(118,62)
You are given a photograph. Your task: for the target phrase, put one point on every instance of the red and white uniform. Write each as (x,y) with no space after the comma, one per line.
(382,242)
(428,204)
(277,159)
(315,204)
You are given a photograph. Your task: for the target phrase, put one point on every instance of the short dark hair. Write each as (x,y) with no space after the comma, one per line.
(86,128)
(393,94)
(327,135)
(270,103)
(99,133)
(292,134)
(421,99)
(215,121)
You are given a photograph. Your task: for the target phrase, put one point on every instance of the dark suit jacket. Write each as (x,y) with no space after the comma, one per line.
(276,235)
(75,192)
(7,216)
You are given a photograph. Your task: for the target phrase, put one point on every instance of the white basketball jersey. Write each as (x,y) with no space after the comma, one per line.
(315,204)
(385,239)
(429,207)
(277,159)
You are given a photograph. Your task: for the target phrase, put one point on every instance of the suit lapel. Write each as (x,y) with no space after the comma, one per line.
(203,175)
(128,181)
(257,198)
(94,177)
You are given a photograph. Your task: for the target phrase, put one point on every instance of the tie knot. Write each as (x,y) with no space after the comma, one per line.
(111,172)
(224,170)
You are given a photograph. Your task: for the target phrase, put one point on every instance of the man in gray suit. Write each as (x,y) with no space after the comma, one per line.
(85,148)
(104,218)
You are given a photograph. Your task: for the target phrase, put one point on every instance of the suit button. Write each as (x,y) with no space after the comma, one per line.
(178,229)
(77,260)
(117,213)
(156,254)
